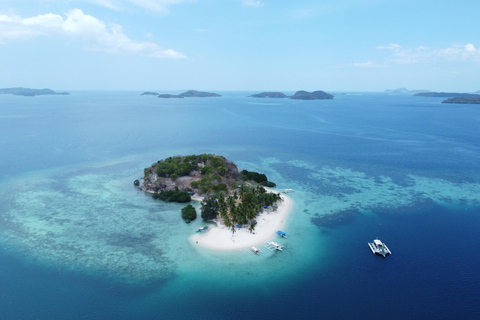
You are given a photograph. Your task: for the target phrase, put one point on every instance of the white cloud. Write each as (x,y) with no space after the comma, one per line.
(368,64)
(111,4)
(93,32)
(421,54)
(253,3)
(391,46)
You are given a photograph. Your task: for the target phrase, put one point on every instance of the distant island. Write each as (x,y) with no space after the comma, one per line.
(198,94)
(404,91)
(464,100)
(186,94)
(445,94)
(316,95)
(299,95)
(27,92)
(170,96)
(269,95)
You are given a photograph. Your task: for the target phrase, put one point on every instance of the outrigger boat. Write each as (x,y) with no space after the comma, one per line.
(255,250)
(273,246)
(379,247)
(202,229)
(282,234)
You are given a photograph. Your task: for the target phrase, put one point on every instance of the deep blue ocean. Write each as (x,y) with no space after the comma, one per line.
(79,241)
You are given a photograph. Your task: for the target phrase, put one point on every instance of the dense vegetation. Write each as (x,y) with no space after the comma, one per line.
(257,177)
(235,197)
(240,208)
(189,213)
(173,196)
(174,167)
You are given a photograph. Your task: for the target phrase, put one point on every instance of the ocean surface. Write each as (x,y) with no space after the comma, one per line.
(79,241)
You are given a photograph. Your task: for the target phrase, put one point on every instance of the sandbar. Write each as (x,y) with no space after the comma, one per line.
(268,222)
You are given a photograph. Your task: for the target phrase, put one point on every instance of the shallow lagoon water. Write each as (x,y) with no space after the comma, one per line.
(80,241)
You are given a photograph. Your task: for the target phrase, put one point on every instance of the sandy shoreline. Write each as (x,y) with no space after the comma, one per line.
(220,238)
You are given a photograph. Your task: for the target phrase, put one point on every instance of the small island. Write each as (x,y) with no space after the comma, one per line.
(269,95)
(316,95)
(198,94)
(464,100)
(186,94)
(404,91)
(27,92)
(445,94)
(236,202)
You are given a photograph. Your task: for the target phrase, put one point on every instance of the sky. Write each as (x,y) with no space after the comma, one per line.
(244,45)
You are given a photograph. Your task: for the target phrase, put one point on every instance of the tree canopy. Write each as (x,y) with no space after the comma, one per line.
(240,208)
(189,213)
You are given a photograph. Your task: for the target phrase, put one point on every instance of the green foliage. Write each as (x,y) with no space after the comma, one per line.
(175,166)
(268,184)
(252,175)
(173,196)
(209,208)
(232,211)
(220,187)
(178,166)
(257,177)
(189,213)
(205,170)
(194,184)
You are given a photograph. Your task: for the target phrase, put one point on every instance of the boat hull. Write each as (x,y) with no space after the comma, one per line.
(375,250)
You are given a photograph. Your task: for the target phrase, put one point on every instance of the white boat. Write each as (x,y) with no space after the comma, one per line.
(255,250)
(379,247)
(273,246)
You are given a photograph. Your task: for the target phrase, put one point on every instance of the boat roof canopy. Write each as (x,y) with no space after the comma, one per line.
(378,242)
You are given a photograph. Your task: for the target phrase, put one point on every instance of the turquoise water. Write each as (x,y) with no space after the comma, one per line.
(79,241)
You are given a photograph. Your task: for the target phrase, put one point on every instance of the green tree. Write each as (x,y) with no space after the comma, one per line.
(189,213)
(209,208)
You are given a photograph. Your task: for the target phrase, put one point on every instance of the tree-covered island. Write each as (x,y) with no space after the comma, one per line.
(463,100)
(299,95)
(27,92)
(229,195)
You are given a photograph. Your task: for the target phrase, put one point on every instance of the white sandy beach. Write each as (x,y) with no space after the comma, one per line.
(268,222)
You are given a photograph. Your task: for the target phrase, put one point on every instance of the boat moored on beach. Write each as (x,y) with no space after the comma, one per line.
(255,250)
(281,234)
(379,247)
(202,229)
